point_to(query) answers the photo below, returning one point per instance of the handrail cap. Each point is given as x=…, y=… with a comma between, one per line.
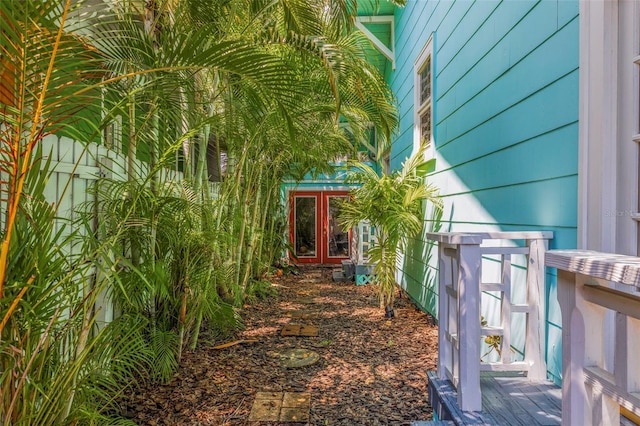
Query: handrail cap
x=478, y=237
x=608, y=266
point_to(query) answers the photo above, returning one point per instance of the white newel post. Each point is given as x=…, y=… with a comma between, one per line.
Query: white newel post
x=535, y=336
x=573, y=341
x=444, y=279
x=460, y=290
x=469, y=394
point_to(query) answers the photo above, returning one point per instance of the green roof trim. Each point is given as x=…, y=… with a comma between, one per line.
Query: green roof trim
x=427, y=167
x=369, y=8
x=375, y=19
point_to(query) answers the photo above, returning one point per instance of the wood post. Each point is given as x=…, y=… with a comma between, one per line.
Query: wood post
x=592, y=286
x=444, y=345
x=535, y=338
x=573, y=341
x=459, y=310
x=469, y=394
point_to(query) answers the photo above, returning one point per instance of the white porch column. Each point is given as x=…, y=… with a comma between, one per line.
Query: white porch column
x=469, y=394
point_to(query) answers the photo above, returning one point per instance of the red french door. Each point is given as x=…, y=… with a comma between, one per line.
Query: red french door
x=315, y=234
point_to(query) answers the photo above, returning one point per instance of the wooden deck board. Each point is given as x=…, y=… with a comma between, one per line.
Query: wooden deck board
x=507, y=399
x=502, y=407
x=533, y=397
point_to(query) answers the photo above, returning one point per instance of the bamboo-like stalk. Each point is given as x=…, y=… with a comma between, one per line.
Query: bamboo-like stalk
x=186, y=143
x=199, y=177
x=14, y=304
x=245, y=201
x=266, y=210
x=253, y=239
x=19, y=173
x=182, y=323
x=24, y=375
x=152, y=256
x=153, y=150
x=81, y=345
x=133, y=142
x=196, y=329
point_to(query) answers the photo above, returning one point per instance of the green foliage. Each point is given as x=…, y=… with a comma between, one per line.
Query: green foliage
x=494, y=342
x=164, y=346
x=260, y=290
x=172, y=268
x=392, y=203
x=262, y=81
x=56, y=364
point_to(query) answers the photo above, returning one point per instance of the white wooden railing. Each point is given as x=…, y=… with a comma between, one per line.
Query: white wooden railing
x=600, y=302
x=459, y=298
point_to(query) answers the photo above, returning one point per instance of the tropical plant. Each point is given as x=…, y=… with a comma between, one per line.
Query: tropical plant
x=267, y=142
x=393, y=204
x=56, y=366
x=175, y=284
x=264, y=81
x=269, y=81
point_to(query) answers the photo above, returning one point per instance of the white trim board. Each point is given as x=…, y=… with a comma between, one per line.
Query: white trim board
x=608, y=111
x=388, y=52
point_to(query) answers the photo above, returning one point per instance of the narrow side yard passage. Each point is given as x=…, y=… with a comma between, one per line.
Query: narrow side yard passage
x=369, y=370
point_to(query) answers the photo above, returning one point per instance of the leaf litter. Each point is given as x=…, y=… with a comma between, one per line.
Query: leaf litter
x=371, y=371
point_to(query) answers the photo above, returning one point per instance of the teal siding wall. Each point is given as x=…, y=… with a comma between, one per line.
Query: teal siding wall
x=506, y=125
x=324, y=181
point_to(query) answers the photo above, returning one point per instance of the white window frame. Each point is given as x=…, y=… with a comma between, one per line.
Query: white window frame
x=426, y=54
x=112, y=135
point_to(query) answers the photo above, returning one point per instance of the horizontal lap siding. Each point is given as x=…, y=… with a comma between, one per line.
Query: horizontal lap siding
x=506, y=135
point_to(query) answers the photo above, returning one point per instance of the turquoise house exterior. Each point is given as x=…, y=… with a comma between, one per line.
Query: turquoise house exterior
x=531, y=114
x=504, y=126
x=501, y=121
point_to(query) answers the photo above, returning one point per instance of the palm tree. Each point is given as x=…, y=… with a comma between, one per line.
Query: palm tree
x=55, y=366
x=393, y=204
x=269, y=80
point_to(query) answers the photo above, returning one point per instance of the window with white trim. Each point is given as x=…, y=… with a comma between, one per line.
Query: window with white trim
x=112, y=135
x=423, y=99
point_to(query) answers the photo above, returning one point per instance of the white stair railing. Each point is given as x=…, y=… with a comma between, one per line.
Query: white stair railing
x=460, y=288
x=599, y=296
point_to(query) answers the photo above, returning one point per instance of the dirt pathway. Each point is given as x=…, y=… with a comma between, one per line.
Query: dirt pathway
x=371, y=371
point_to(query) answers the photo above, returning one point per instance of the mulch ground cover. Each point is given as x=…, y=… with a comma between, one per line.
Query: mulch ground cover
x=371, y=370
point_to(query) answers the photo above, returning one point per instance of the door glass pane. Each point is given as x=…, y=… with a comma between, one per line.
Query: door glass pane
x=338, y=238
x=305, y=226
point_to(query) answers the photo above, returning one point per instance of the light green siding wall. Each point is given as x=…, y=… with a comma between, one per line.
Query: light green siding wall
x=506, y=131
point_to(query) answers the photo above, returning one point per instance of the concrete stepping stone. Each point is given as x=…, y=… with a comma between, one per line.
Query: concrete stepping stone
x=266, y=407
x=290, y=330
x=296, y=358
x=299, y=330
x=309, y=331
x=308, y=292
x=281, y=406
x=295, y=407
x=303, y=315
